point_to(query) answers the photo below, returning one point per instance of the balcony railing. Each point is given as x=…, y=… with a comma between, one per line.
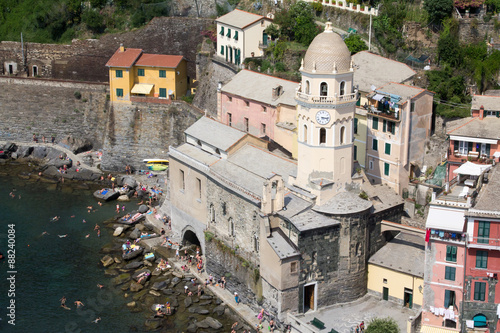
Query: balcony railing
x=473, y=156
x=485, y=243
x=263, y=45
x=447, y=236
x=315, y=99
x=385, y=113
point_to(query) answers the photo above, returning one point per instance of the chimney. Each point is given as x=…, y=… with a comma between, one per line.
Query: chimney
x=122, y=48
x=481, y=112
x=277, y=91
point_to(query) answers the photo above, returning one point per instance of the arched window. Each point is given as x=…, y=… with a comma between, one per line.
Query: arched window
x=308, y=87
x=323, y=89
x=305, y=133
x=212, y=213
x=342, y=135
x=342, y=88
x=322, y=135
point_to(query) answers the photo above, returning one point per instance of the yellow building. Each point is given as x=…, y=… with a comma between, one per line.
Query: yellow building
x=360, y=136
x=396, y=271
x=143, y=77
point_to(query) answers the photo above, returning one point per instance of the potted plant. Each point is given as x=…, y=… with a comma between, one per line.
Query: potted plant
x=362, y=8
x=354, y=7
x=334, y=2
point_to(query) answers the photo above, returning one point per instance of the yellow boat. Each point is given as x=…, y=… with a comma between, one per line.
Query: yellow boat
x=156, y=164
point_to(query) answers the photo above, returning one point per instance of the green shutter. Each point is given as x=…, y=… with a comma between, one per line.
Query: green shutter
x=455, y=145
x=483, y=232
x=447, y=298
x=228, y=33
x=222, y=31
x=384, y=126
x=481, y=259
x=469, y=145
x=386, y=169
x=449, y=273
x=488, y=148
x=236, y=35
x=355, y=125
x=163, y=73
x=393, y=128
x=375, y=123
x=222, y=49
x=163, y=92
x=355, y=153
x=140, y=72
x=375, y=144
x=119, y=92
x=387, y=148
x=119, y=73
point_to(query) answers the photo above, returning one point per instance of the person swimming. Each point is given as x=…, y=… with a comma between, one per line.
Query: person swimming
x=62, y=236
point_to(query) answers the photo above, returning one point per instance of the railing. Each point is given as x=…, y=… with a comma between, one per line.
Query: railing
x=342, y=4
x=326, y=99
x=475, y=156
x=263, y=45
x=447, y=236
x=485, y=242
x=393, y=115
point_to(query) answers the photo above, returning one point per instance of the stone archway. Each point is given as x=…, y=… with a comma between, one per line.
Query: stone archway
x=189, y=237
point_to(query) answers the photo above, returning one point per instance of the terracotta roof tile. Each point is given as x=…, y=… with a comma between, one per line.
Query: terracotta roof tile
x=159, y=60
x=126, y=58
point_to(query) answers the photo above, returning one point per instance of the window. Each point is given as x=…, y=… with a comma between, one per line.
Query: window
x=264, y=109
x=342, y=88
x=221, y=31
x=229, y=98
x=263, y=128
x=386, y=169
x=163, y=92
x=384, y=281
x=482, y=259
x=224, y=208
x=355, y=153
x=391, y=127
x=375, y=123
x=322, y=136
x=163, y=73
x=483, y=232
x=342, y=135
x=323, y=89
x=370, y=165
x=236, y=35
x=464, y=147
x=140, y=72
x=305, y=133
x=387, y=148
x=183, y=183
x=246, y=124
x=375, y=144
x=231, y=227
x=308, y=87
x=293, y=267
x=256, y=243
x=247, y=103
x=451, y=253
x=198, y=181
x=229, y=119
x=222, y=49
x=119, y=73
x=449, y=298
x=119, y=92
x=412, y=106
x=355, y=125
x=228, y=33
x=449, y=273
x=479, y=291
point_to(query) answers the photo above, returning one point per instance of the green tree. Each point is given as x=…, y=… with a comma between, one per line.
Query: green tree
x=449, y=48
x=382, y=325
x=297, y=23
x=355, y=44
x=94, y=21
x=438, y=10
x=273, y=31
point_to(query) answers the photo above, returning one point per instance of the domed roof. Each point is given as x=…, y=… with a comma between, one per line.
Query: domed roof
x=326, y=50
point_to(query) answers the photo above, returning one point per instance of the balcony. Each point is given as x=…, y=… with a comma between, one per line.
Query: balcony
x=329, y=100
x=448, y=236
x=485, y=243
x=389, y=113
x=472, y=156
x=263, y=45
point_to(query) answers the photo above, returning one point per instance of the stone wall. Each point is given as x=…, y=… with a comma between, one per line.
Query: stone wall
x=49, y=107
x=138, y=131
x=84, y=60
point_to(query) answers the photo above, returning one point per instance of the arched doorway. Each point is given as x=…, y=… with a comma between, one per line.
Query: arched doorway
x=190, y=238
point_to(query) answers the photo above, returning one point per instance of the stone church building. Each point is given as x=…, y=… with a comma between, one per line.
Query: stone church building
x=295, y=235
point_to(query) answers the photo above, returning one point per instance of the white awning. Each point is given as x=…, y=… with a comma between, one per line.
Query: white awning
x=142, y=88
x=476, y=140
x=471, y=169
x=445, y=219
x=378, y=97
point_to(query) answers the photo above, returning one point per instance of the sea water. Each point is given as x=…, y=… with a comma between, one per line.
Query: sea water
x=47, y=267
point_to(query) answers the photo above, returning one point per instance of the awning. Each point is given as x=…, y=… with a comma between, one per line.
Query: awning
x=142, y=88
x=445, y=219
x=378, y=97
x=471, y=169
x=476, y=140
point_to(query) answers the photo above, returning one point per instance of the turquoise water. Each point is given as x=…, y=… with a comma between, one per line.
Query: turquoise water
x=49, y=267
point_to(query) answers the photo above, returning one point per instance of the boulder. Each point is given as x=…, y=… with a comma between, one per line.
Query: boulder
x=117, y=260
x=39, y=152
x=107, y=261
x=131, y=304
x=123, y=197
x=133, y=254
x=154, y=293
x=205, y=297
x=140, y=294
x=143, y=209
x=24, y=152
x=178, y=275
x=10, y=147
x=159, y=285
x=118, y=231
x=134, y=265
x=121, y=279
x=175, y=281
x=192, y=328
x=152, y=324
x=202, y=311
x=168, y=291
x=136, y=233
x=111, y=272
x=205, y=303
x=188, y=301
x=213, y=323
x=134, y=286
x=219, y=310
x=59, y=163
x=129, y=181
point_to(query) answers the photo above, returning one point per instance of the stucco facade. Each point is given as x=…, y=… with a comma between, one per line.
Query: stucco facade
x=360, y=132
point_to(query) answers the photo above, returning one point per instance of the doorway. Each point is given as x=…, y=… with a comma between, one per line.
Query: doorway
x=11, y=69
x=309, y=297
x=408, y=298
x=385, y=293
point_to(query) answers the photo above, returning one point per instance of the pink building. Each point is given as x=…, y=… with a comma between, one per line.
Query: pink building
x=261, y=105
x=476, y=138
